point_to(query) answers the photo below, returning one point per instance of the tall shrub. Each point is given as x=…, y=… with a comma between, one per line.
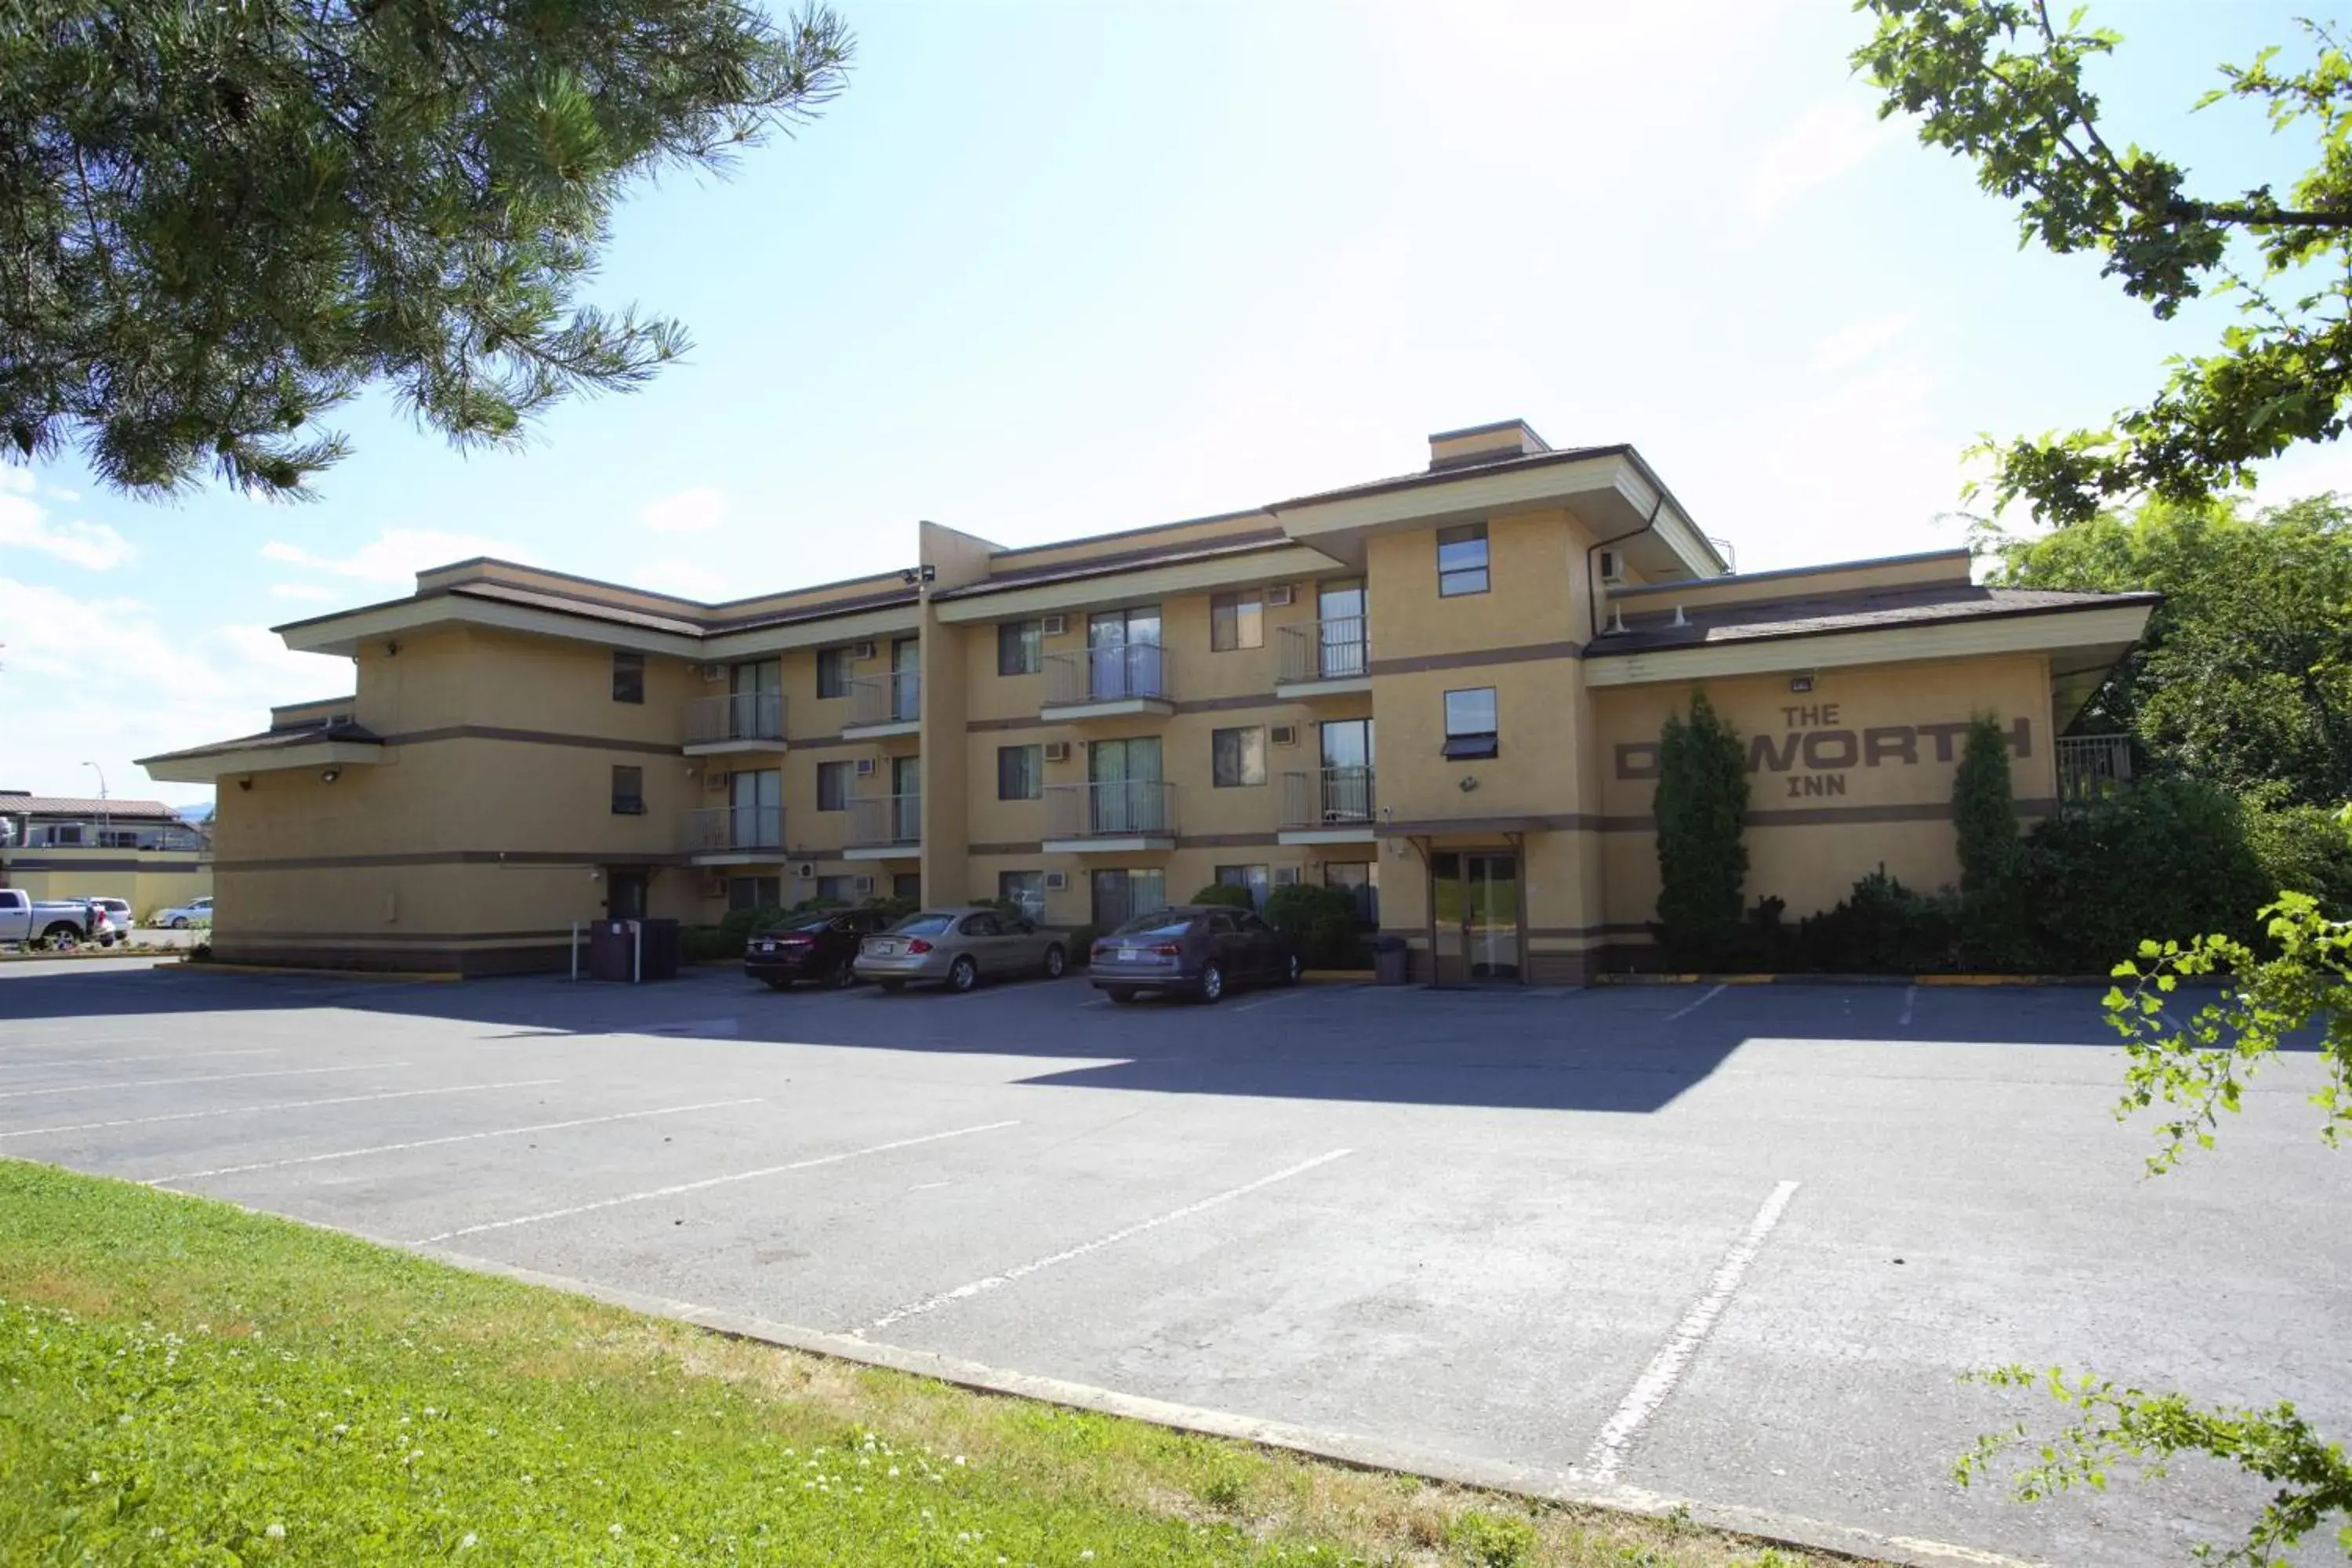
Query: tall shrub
x=1992, y=859
x=2168, y=860
x=1701, y=806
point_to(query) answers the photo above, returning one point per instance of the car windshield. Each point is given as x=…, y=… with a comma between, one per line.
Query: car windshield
x=923, y=925
x=1163, y=924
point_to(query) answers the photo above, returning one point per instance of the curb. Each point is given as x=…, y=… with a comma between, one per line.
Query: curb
x=186, y=967
x=1985, y=982
x=1335, y=977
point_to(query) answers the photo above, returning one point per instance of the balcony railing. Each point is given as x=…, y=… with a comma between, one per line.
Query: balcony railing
x=2093, y=768
x=893, y=698
x=1120, y=674
x=875, y=820
x=98, y=834
x=1128, y=808
x=735, y=829
x=1328, y=797
x=1334, y=649
x=741, y=716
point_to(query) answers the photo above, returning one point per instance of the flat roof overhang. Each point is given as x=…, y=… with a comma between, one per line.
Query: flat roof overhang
x=1613, y=491
x=344, y=633
x=1134, y=584
x=2083, y=642
x=210, y=767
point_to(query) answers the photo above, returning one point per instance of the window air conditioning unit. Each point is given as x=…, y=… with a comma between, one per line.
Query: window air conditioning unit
x=1057, y=881
x=1278, y=596
x=1286, y=876
x=861, y=650
x=1286, y=734
x=1613, y=566
x=865, y=767
x=1057, y=751
x=714, y=672
x=1053, y=625
x=805, y=869
x=864, y=884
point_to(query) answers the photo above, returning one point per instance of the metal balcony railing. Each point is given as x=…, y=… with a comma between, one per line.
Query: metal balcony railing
x=1328, y=797
x=1109, y=675
x=1123, y=809
x=2093, y=768
x=740, y=716
x=875, y=820
x=99, y=833
x=734, y=829
x=895, y=698
x=1334, y=649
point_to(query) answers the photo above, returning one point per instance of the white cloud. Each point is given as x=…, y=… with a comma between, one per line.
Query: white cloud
x=15, y=479
x=694, y=511
x=310, y=592
x=25, y=524
x=398, y=555
x=1850, y=346
x=1818, y=146
x=676, y=574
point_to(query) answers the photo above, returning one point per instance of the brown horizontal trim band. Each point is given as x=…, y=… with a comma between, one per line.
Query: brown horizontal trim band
x=1527, y=653
x=1033, y=846
x=534, y=737
x=1226, y=840
x=404, y=938
x=582, y=858
x=1820, y=815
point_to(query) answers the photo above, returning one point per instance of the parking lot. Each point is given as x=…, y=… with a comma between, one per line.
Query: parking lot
x=1731, y=1245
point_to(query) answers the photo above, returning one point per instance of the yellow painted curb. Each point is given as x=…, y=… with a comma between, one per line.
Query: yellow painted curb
x=1336, y=977
x=186, y=967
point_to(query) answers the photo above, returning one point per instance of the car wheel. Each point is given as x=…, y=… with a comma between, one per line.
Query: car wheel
x=181, y=923
x=1057, y=961
x=963, y=974
x=778, y=982
x=1291, y=970
x=1212, y=983
x=1120, y=996
x=892, y=986
x=843, y=976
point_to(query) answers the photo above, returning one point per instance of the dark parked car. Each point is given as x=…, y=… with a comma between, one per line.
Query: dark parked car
x=820, y=946
x=1200, y=950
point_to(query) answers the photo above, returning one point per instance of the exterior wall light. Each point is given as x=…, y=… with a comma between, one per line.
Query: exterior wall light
x=329, y=775
x=1801, y=682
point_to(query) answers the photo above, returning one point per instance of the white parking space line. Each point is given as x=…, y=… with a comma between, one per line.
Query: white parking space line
x=682, y=1187
x=277, y=1105
x=1910, y=996
x=169, y=1082
x=1269, y=1001
x=450, y=1138
x=1035, y=1264
x=1667, y=1368
x=148, y=1056
x=1687, y=1012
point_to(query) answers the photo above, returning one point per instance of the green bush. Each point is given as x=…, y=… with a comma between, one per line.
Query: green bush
x=2170, y=859
x=1882, y=927
x=1701, y=806
x=891, y=906
x=2304, y=849
x=1491, y=1541
x=1225, y=893
x=1992, y=857
x=699, y=943
x=1324, y=921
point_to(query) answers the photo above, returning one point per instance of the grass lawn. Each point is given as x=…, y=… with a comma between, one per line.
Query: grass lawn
x=182, y=1381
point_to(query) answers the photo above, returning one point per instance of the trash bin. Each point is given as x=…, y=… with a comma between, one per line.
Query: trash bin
x=663, y=943
x=612, y=949
x=1389, y=961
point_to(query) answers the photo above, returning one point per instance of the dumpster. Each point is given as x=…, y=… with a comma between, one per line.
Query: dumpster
x=612, y=949
x=663, y=943
x=1391, y=961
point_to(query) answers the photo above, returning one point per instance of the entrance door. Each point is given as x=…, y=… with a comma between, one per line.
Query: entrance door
x=625, y=895
x=1339, y=615
x=1476, y=898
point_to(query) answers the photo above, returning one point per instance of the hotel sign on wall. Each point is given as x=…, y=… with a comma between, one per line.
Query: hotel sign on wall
x=1815, y=751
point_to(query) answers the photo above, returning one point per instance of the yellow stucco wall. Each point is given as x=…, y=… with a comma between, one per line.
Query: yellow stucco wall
x=149, y=880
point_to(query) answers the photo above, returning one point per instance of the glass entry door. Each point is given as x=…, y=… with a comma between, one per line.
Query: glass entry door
x=1475, y=895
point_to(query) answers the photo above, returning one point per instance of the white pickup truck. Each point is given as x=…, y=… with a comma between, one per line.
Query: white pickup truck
x=62, y=922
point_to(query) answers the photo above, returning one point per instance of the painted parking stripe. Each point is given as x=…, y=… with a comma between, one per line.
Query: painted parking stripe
x=277, y=1105
x=1695, y=1006
x=449, y=1138
x=1910, y=996
x=148, y=1056
x=1667, y=1368
x=208, y=1077
x=708, y=1182
x=1037, y=1265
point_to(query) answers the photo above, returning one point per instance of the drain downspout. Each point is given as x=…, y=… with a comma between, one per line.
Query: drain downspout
x=1591, y=586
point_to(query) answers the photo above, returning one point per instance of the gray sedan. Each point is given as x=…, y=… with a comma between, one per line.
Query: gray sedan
x=956, y=948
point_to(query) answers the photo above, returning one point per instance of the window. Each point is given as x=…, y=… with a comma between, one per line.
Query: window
x=628, y=676
x=1361, y=877
x=1025, y=890
x=1236, y=621
x=1121, y=896
x=1020, y=647
x=1020, y=773
x=832, y=785
x=837, y=890
x=982, y=924
x=755, y=893
x=118, y=839
x=1237, y=756
x=832, y=672
x=1470, y=724
x=1253, y=878
x=1462, y=559
x=907, y=885
x=65, y=835
x=628, y=791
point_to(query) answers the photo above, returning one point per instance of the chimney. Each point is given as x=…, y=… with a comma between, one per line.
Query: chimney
x=1483, y=443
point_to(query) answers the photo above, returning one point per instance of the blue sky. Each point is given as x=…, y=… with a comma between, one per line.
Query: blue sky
x=1047, y=270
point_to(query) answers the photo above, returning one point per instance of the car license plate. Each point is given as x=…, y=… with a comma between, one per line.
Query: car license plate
x=886, y=950
x=767, y=947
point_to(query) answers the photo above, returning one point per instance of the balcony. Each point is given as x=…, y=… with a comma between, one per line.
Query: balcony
x=735, y=835
x=883, y=828
x=1125, y=814
x=743, y=722
x=1108, y=682
x=2093, y=768
x=1323, y=659
x=1328, y=805
x=882, y=705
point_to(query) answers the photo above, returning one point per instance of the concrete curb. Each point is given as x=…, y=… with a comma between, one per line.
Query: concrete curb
x=1985, y=981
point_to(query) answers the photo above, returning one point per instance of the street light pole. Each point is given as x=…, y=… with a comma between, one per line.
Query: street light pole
x=105, y=816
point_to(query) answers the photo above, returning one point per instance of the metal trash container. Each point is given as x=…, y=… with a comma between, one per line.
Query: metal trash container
x=612, y=949
x=1391, y=961
x=663, y=941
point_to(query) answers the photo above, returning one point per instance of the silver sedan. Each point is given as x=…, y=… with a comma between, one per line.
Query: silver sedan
x=958, y=948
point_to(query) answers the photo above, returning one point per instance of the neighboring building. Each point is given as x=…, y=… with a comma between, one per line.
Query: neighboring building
x=1102, y=725
x=62, y=846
